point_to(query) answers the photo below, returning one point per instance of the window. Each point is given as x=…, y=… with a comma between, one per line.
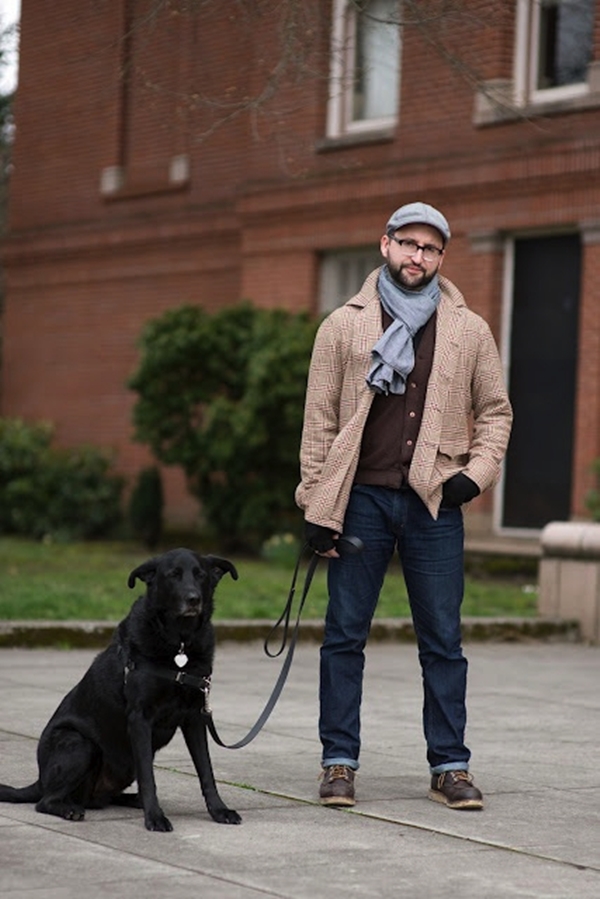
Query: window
x=151, y=131
x=365, y=66
x=554, y=49
x=342, y=274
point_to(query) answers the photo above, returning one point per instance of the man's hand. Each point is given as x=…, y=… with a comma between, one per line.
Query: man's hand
x=321, y=540
x=457, y=490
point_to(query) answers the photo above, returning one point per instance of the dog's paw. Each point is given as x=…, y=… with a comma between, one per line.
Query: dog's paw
x=226, y=816
x=61, y=809
x=158, y=822
x=76, y=813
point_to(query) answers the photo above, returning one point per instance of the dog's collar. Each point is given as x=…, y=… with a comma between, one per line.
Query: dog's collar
x=183, y=678
x=177, y=677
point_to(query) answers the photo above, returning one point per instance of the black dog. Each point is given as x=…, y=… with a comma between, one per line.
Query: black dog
x=150, y=680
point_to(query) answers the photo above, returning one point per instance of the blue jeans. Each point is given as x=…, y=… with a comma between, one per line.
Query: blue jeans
x=432, y=556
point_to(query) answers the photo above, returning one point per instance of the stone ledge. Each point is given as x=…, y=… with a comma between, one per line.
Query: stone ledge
x=97, y=634
x=571, y=539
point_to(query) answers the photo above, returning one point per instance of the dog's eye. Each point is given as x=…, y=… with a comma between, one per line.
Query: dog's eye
x=176, y=573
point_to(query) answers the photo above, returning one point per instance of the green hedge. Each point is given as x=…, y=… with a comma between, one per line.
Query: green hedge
x=146, y=504
x=45, y=491
x=222, y=396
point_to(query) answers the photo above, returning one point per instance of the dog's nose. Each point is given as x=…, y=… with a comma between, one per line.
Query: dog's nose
x=192, y=603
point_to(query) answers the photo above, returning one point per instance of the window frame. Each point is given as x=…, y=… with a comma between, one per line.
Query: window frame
x=339, y=264
x=340, y=121
x=527, y=50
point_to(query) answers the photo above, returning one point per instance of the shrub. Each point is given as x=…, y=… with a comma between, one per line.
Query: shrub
x=46, y=491
x=222, y=396
x=146, y=507
x=22, y=446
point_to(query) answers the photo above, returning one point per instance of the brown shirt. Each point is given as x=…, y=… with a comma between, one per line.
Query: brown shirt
x=394, y=420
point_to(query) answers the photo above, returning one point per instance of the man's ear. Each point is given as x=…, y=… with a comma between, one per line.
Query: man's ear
x=384, y=246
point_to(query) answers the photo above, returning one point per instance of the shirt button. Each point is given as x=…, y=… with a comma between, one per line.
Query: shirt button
x=413, y=384
x=411, y=414
x=409, y=443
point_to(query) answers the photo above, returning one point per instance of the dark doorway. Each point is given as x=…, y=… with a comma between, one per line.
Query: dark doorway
x=542, y=379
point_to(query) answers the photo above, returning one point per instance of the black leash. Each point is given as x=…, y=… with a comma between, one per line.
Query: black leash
x=345, y=546
x=284, y=619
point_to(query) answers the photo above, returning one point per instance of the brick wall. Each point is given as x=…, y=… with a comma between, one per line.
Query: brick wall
x=263, y=193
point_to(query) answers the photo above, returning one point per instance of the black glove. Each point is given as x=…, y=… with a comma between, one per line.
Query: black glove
x=457, y=490
x=319, y=539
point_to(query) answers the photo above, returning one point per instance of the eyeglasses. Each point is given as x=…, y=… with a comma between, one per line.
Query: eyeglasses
x=411, y=248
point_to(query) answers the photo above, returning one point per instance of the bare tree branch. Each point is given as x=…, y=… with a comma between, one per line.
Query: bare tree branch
x=302, y=56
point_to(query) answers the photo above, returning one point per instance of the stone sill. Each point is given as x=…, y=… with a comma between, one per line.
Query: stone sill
x=495, y=104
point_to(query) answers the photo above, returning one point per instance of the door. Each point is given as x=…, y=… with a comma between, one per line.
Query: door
x=542, y=380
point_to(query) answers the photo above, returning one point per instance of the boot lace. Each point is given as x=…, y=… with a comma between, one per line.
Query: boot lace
x=337, y=772
x=455, y=776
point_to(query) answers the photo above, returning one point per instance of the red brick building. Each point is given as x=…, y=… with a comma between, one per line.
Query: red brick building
x=171, y=152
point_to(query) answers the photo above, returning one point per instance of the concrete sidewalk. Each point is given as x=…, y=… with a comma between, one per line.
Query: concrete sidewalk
x=534, y=712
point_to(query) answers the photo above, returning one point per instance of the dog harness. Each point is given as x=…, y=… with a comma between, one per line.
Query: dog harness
x=183, y=678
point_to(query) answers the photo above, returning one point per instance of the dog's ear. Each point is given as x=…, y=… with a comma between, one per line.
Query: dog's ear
x=145, y=572
x=219, y=567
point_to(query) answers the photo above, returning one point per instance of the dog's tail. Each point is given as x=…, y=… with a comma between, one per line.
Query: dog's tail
x=32, y=793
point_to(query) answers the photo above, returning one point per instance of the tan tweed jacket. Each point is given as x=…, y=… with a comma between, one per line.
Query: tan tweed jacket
x=466, y=419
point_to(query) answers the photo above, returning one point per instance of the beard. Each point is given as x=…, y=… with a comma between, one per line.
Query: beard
x=409, y=280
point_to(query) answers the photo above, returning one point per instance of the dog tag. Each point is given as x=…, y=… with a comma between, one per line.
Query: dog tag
x=181, y=659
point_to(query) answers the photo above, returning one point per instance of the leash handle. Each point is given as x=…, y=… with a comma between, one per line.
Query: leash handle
x=285, y=668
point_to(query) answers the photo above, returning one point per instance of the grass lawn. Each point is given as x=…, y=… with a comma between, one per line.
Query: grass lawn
x=88, y=581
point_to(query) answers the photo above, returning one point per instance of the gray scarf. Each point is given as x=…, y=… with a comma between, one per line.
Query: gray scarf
x=393, y=354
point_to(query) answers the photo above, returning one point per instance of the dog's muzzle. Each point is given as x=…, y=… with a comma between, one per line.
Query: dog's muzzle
x=192, y=607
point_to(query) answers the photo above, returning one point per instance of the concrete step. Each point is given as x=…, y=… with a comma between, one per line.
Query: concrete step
x=97, y=634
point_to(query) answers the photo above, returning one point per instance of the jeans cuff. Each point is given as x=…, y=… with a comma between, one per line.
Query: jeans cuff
x=450, y=766
x=340, y=760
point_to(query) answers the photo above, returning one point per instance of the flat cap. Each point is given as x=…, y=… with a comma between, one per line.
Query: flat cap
x=419, y=213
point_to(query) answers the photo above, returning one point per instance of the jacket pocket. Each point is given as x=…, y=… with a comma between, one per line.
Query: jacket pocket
x=455, y=448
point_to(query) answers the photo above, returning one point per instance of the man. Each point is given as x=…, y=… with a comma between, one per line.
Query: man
x=406, y=419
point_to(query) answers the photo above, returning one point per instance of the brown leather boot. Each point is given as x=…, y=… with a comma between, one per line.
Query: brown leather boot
x=456, y=790
x=337, y=786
